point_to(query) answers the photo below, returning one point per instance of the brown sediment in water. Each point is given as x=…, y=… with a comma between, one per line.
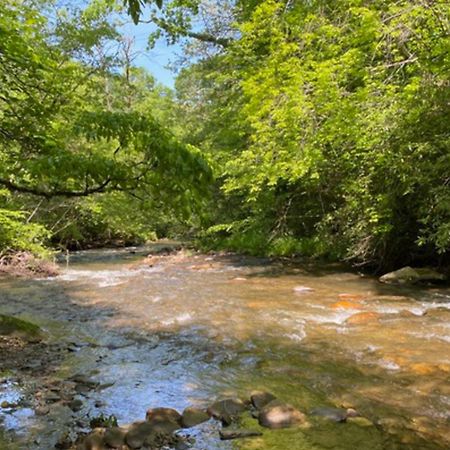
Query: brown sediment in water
x=175, y=335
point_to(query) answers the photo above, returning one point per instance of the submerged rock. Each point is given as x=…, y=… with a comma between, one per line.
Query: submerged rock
x=65, y=441
x=363, y=318
x=346, y=304
x=238, y=434
x=333, y=414
x=277, y=414
x=409, y=275
x=193, y=416
x=12, y=326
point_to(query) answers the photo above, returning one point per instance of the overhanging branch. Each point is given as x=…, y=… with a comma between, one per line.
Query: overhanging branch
x=57, y=192
x=201, y=36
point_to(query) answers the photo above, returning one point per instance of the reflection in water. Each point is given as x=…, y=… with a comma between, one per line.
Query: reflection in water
x=184, y=330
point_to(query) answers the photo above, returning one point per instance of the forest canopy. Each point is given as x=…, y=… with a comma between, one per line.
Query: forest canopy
x=314, y=128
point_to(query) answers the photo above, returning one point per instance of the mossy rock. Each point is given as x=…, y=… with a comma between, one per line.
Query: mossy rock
x=11, y=326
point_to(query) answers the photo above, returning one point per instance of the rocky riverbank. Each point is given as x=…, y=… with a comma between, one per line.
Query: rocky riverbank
x=161, y=425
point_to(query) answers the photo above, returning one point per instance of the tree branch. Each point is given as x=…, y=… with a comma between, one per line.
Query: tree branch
x=56, y=193
x=174, y=30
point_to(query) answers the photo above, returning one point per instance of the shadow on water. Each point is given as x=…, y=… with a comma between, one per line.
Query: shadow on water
x=142, y=358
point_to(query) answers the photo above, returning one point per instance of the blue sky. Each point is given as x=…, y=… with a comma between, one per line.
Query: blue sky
x=154, y=60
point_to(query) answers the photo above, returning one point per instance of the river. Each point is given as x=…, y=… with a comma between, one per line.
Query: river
x=186, y=329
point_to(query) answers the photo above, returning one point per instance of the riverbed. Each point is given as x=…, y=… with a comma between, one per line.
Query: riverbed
x=186, y=329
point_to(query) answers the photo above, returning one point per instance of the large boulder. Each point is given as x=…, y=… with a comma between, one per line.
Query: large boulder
x=277, y=414
x=408, y=275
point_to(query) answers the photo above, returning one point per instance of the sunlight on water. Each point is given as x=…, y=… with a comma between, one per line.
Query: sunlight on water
x=186, y=329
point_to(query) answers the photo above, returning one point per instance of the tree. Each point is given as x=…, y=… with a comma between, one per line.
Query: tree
x=341, y=113
x=59, y=137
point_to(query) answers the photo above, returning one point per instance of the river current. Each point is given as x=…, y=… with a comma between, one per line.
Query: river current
x=187, y=329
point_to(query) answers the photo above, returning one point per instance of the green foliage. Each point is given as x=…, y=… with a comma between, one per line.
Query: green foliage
x=75, y=122
x=16, y=233
x=340, y=113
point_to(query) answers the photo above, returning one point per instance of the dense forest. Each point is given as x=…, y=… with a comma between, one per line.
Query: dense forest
x=313, y=128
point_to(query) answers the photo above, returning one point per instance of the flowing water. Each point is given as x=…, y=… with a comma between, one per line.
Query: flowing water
x=187, y=329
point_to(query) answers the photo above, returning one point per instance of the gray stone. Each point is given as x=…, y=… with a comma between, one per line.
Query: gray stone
x=333, y=414
x=193, y=416
x=277, y=414
x=227, y=407
x=260, y=399
x=75, y=405
x=238, y=434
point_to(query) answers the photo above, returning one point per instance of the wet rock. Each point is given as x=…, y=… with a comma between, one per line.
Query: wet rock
x=392, y=298
x=81, y=379
x=363, y=318
x=351, y=297
x=277, y=414
x=238, y=434
x=352, y=413
x=115, y=437
x=260, y=399
x=193, y=416
x=52, y=397
x=11, y=326
x=360, y=421
x=407, y=314
x=227, y=419
x=64, y=442
x=333, y=414
x=409, y=275
x=227, y=407
x=346, y=304
x=138, y=433
x=158, y=440
x=94, y=441
x=163, y=415
x=42, y=410
x=423, y=368
x=75, y=405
